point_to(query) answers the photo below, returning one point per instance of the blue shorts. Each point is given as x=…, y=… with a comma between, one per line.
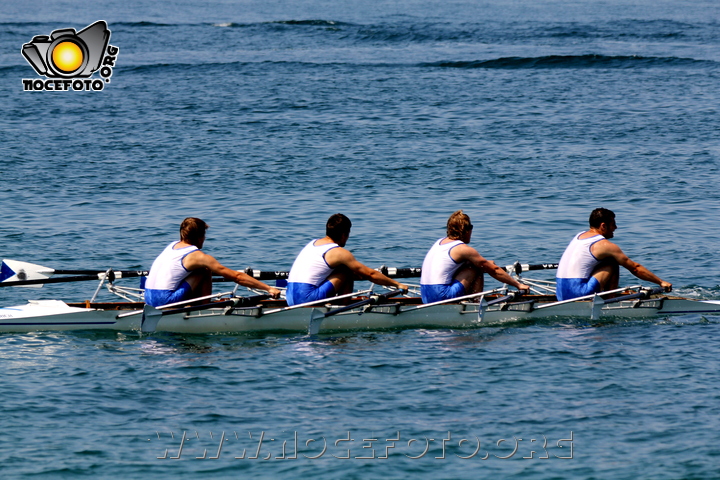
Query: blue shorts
x=298, y=293
x=569, y=288
x=435, y=293
x=158, y=298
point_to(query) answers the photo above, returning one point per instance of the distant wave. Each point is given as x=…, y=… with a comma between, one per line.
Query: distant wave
x=142, y=24
x=314, y=23
x=572, y=61
x=546, y=62
x=413, y=31
x=23, y=69
x=322, y=23
x=72, y=24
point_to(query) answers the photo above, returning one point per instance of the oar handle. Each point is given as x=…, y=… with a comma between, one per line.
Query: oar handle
x=394, y=272
x=518, y=267
x=261, y=275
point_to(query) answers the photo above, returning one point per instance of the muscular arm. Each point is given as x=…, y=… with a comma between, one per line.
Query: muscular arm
x=465, y=253
x=606, y=249
x=340, y=256
x=198, y=259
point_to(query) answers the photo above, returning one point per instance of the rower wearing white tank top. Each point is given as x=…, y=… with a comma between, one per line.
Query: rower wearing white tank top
x=324, y=268
x=452, y=268
x=182, y=271
x=591, y=261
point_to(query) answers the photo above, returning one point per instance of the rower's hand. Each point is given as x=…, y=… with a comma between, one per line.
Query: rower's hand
x=667, y=286
x=403, y=287
x=274, y=292
x=523, y=288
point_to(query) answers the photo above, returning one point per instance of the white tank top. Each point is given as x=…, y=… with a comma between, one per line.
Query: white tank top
x=578, y=261
x=439, y=268
x=310, y=265
x=167, y=270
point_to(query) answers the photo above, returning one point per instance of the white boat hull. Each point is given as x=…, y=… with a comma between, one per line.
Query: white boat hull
x=54, y=315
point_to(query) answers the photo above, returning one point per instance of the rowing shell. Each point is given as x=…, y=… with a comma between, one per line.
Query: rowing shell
x=402, y=313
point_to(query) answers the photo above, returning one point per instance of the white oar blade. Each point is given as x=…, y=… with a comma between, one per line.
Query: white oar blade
x=316, y=320
x=150, y=318
x=14, y=270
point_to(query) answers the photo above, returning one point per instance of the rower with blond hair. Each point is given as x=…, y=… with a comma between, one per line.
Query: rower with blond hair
x=452, y=268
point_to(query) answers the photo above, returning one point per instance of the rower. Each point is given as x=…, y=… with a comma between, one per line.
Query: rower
x=591, y=261
x=183, y=272
x=324, y=268
x=453, y=269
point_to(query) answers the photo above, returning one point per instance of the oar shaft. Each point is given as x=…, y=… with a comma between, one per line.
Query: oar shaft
x=195, y=308
x=43, y=281
x=391, y=272
x=507, y=298
x=91, y=275
x=118, y=273
x=374, y=299
x=642, y=295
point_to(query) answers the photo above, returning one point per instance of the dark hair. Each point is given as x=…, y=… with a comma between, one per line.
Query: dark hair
x=601, y=215
x=337, y=226
x=458, y=224
x=192, y=230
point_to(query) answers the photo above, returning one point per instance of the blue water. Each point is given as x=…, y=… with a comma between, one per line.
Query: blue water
x=264, y=118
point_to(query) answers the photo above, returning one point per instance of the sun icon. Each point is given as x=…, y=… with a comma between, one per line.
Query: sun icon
x=67, y=56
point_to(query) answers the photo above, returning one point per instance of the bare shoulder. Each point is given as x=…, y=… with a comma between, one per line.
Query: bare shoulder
x=464, y=252
x=338, y=256
x=605, y=248
x=197, y=259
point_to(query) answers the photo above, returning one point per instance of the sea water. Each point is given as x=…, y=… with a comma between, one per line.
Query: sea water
x=264, y=118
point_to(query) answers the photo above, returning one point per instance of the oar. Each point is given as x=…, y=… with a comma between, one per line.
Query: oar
x=151, y=315
x=518, y=267
x=391, y=272
x=14, y=273
x=507, y=298
x=317, y=316
x=317, y=302
x=643, y=294
x=586, y=297
x=598, y=302
x=452, y=300
x=150, y=318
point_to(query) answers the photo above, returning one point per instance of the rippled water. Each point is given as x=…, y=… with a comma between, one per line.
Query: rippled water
x=265, y=118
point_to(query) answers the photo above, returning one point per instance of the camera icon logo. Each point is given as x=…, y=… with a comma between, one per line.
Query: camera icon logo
x=68, y=54
x=66, y=57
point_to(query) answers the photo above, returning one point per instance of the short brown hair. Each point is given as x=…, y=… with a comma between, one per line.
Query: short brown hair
x=192, y=230
x=458, y=224
x=600, y=216
x=337, y=226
